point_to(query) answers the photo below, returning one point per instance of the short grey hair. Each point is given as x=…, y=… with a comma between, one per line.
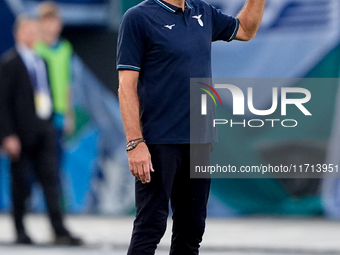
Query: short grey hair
x=21, y=19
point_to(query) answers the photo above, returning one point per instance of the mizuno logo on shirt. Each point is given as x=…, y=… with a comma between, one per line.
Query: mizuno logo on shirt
x=198, y=17
x=170, y=26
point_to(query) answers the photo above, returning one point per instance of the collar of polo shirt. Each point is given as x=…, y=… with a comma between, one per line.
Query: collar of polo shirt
x=170, y=7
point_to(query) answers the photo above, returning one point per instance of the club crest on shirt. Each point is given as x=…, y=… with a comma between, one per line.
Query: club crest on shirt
x=170, y=26
x=198, y=17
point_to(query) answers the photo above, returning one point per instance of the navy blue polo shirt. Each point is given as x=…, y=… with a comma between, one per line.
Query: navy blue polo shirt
x=168, y=46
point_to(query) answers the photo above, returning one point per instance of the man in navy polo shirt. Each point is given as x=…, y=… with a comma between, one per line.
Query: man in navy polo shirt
x=161, y=45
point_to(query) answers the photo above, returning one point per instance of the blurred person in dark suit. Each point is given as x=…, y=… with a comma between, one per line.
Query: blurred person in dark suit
x=26, y=132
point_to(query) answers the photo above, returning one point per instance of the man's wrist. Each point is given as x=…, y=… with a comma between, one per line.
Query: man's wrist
x=132, y=144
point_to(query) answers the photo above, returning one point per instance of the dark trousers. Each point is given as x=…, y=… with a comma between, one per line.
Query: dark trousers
x=60, y=153
x=171, y=182
x=41, y=159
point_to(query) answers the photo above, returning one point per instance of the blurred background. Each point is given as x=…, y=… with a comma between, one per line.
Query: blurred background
x=298, y=39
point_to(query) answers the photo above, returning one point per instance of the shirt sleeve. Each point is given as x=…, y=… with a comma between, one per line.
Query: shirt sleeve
x=132, y=41
x=225, y=27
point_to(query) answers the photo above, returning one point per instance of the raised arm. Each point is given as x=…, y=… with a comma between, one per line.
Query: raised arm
x=250, y=19
x=139, y=158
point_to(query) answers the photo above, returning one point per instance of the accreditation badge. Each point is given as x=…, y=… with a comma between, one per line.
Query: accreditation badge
x=43, y=105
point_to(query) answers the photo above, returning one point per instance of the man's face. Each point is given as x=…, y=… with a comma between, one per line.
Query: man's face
x=51, y=26
x=28, y=33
